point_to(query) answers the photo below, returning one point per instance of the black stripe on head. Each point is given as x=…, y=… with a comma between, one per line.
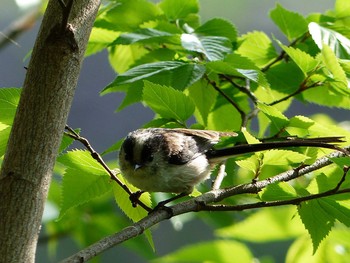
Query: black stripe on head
x=128, y=146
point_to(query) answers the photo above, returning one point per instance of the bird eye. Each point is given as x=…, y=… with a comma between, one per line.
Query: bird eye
x=150, y=158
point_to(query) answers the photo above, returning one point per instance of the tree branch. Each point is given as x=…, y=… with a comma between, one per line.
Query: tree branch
x=36, y=133
x=199, y=204
x=232, y=102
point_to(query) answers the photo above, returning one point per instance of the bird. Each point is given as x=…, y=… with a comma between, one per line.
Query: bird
x=175, y=160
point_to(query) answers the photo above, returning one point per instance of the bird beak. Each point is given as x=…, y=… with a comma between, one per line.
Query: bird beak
x=137, y=166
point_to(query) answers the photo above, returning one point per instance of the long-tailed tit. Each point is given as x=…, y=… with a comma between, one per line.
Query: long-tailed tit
x=175, y=160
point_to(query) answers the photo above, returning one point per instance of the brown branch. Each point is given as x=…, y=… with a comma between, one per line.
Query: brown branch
x=243, y=89
x=36, y=133
x=293, y=201
x=95, y=155
x=232, y=102
x=301, y=89
x=196, y=205
x=283, y=54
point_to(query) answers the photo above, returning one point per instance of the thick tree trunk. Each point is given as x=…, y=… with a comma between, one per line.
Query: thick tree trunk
x=40, y=119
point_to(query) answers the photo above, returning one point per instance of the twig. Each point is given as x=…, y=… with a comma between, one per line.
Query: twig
x=243, y=89
x=232, y=102
x=301, y=89
x=220, y=176
x=283, y=54
x=293, y=201
x=71, y=133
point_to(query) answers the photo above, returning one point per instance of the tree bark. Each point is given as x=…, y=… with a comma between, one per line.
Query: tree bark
x=39, y=123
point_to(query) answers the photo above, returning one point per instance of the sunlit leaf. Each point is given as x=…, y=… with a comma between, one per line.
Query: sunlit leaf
x=84, y=179
x=163, y=72
x=214, y=251
x=218, y=27
x=278, y=191
x=272, y=224
x=290, y=23
x=168, y=102
x=9, y=98
x=303, y=60
x=213, y=47
x=179, y=9
x=257, y=47
x=317, y=221
x=339, y=44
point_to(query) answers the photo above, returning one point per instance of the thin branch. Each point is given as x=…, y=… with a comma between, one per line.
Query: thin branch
x=301, y=89
x=294, y=201
x=220, y=176
x=283, y=54
x=232, y=102
x=245, y=89
x=72, y=134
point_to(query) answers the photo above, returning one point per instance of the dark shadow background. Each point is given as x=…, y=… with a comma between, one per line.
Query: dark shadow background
x=99, y=122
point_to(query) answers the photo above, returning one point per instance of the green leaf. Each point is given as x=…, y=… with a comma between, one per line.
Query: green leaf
x=278, y=120
x=134, y=213
x=204, y=97
x=278, y=191
x=213, y=47
x=334, y=249
x=9, y=98
x=146, y=35
x=338, y=43
x=249, y=137
x=99, y=39
x=121, y=57
x=213, y=251
x=84, y=179
x=236, y=65
x=4, y=136
x=179, y=9
x=332, y=64
x=164, y=72
x=283, y=157
x=341, y=161
x=251, y=164
x=168, y=102
x=285, y=78
x=133, y=95
x=303, y=60
x=218, y=27
x=342, y=8
x=321, y=95
x=337, y=209
x=290, y=23
x=257, y=47
x=123, y=201
x=265, y=225
x=224, y=118
x=317, y=221
x=127, y=15
x=66, y=141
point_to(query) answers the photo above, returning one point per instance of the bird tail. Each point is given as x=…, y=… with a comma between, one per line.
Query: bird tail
x=321, y=142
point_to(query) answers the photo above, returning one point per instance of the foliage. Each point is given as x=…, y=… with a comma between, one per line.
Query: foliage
x=167, y=59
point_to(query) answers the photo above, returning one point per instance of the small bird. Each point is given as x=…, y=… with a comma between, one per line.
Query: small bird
x=175, y=160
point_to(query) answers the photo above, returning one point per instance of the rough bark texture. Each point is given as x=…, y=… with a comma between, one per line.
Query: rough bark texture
x=40, y=119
